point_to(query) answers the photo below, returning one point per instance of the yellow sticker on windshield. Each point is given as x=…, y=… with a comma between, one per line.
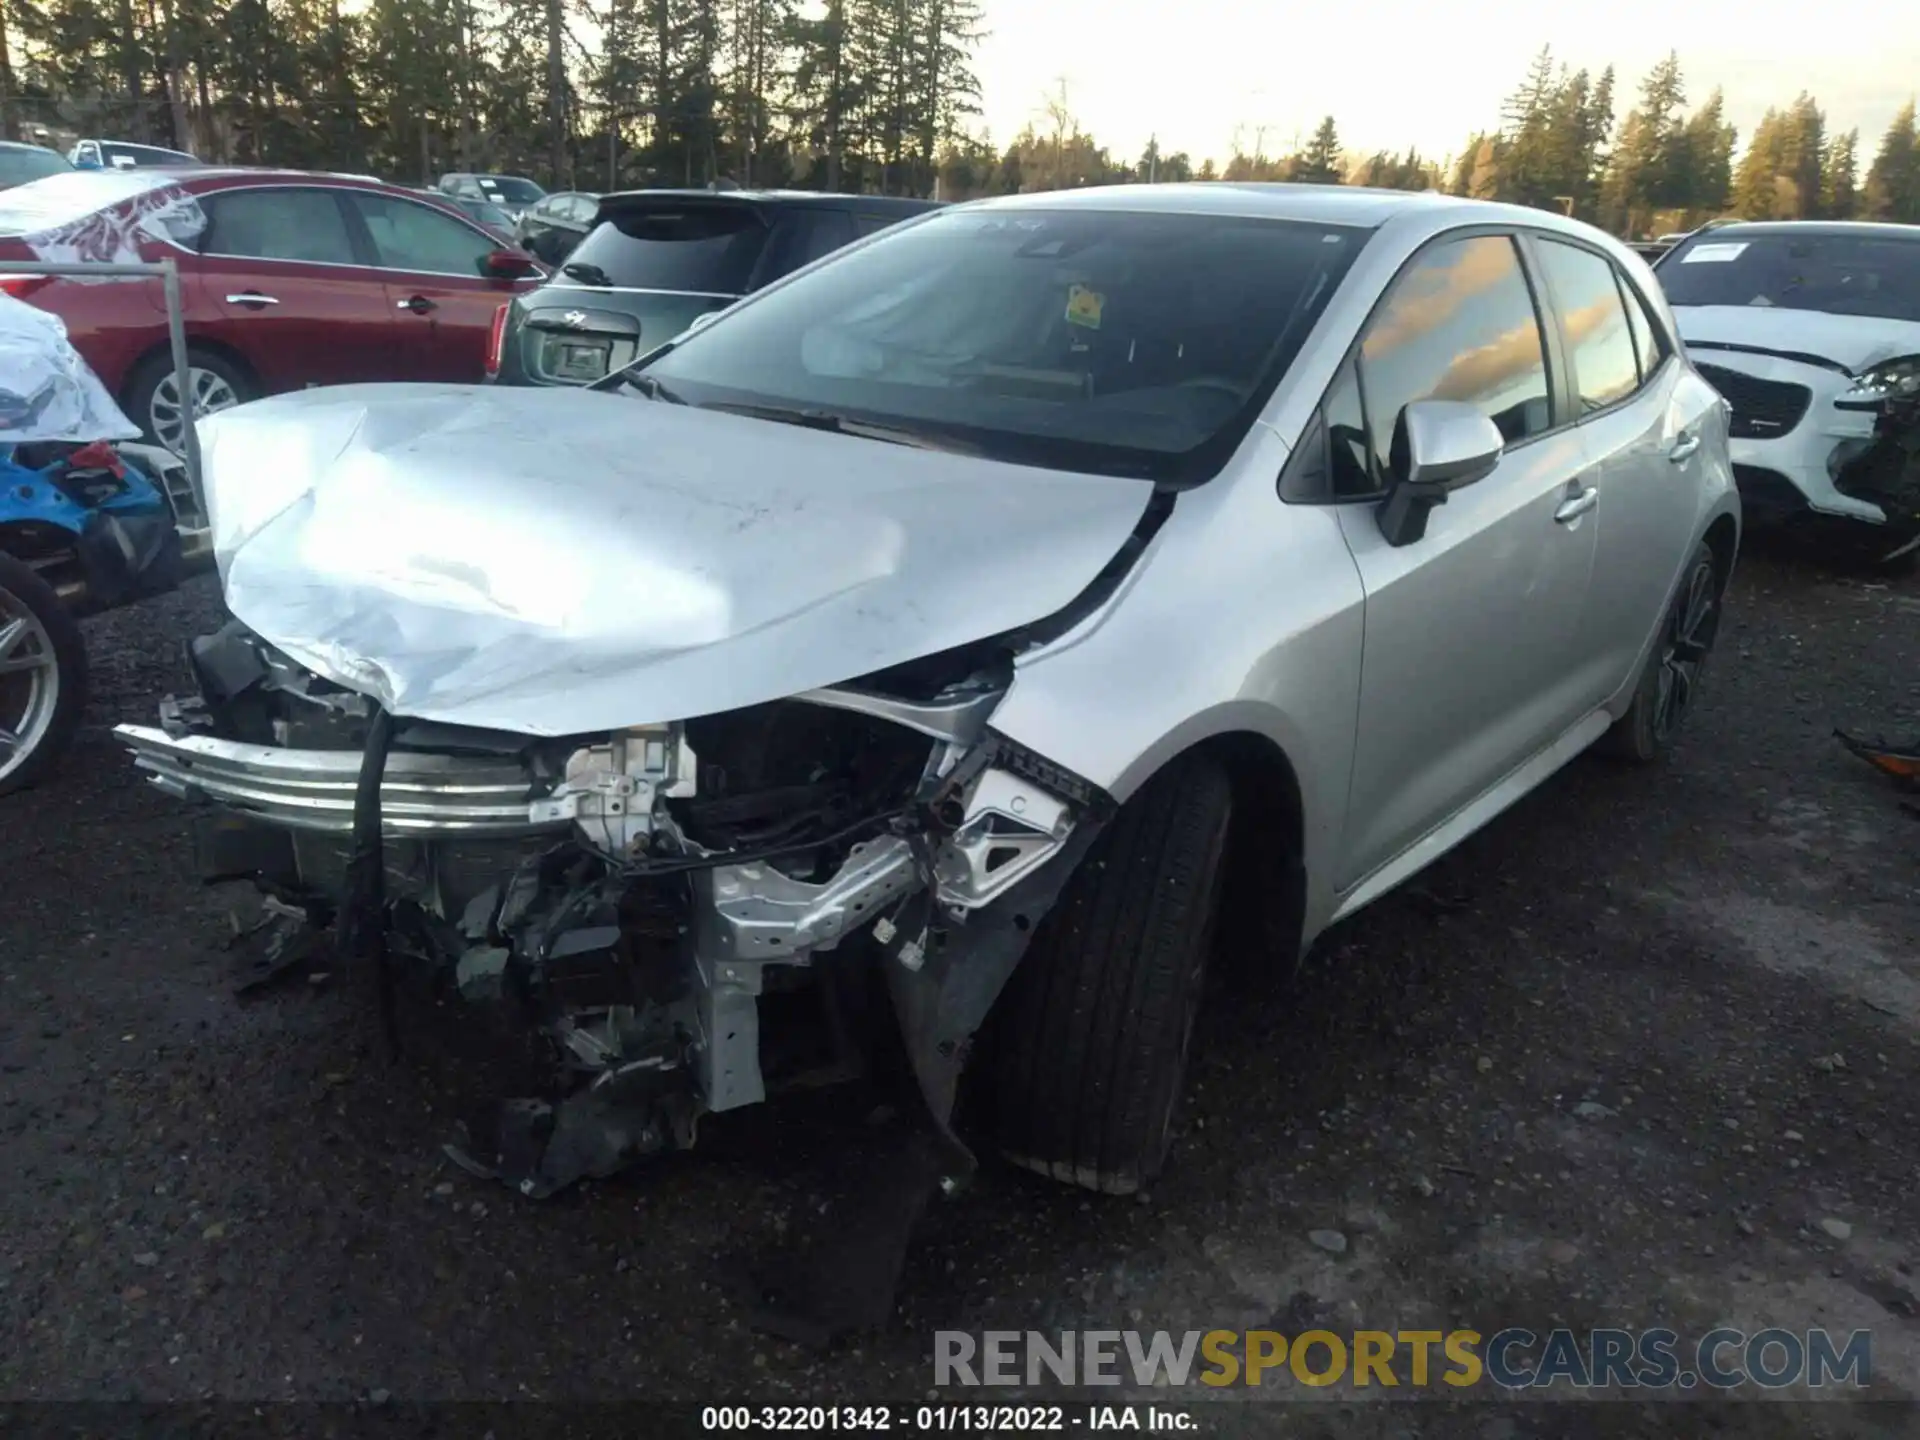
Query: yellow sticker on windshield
x=1084, y=306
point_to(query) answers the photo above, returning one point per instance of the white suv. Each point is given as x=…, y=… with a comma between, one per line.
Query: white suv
x=1811, y=330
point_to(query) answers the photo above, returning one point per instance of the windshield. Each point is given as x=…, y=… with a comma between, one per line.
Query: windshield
x=698, y=247
x=18, y=167
x=510, y=188
x=1102, y=341
x=1831, y=271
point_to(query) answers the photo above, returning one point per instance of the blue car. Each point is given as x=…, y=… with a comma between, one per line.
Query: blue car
x=82, y=529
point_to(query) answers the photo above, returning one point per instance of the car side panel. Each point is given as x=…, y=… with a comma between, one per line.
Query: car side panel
x=1649, y=504
x=328, y=326
x=1471, y=660
x=443, y=319
x=112, y=324
x=294, y=322
x=1243, y=615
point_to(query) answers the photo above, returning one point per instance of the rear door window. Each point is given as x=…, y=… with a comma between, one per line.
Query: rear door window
x=1599, y=343
x=709, y=249
x=1648, y=342
x=277, y=223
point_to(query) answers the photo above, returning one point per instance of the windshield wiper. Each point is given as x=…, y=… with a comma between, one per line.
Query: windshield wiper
x=838, y=424
x=650, y=386
x=587, y=273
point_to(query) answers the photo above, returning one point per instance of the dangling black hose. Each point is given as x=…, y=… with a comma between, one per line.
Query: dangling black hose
x=363, y=918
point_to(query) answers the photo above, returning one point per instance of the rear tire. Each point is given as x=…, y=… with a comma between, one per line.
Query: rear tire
x=153, y=404
x=1670, y=681
x=1091, y=1037
x=40, y=703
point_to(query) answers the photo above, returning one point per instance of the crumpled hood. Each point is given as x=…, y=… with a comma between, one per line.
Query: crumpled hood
x=1858, y=342
x=553, y=561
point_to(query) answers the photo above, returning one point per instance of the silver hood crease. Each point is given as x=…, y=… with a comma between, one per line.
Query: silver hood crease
x=552, y=562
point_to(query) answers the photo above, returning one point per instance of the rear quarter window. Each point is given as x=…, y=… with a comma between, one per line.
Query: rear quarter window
x=707, y=248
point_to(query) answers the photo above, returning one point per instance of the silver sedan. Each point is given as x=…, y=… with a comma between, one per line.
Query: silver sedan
x=999, y=617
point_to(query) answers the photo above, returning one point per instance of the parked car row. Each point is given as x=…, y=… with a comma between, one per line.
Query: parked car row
x=288, y=280
x=1812, y=330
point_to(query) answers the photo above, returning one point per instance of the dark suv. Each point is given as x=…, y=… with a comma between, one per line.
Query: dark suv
x=656, y=260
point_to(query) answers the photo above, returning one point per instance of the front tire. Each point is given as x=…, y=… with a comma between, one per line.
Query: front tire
x=1671, y=680
x=1091, y=1037
x=43, y=676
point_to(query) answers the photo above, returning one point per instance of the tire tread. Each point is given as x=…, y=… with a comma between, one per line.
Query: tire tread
x=1093, y=1023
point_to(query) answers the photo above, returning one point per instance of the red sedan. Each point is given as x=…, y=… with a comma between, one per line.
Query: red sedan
x=288, y=279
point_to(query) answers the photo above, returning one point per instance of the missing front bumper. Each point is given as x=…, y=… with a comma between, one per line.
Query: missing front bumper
x=313, y=790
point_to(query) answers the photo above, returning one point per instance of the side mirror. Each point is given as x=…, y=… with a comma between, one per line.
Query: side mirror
x=1438, y=446
x=700, y=322
x=508, y=265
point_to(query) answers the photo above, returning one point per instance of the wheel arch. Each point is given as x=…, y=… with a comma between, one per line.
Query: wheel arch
x=1723, y=538
x=1263, y=919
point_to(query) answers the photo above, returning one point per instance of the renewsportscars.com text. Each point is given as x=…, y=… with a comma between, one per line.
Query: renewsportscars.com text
x=1511, y=1359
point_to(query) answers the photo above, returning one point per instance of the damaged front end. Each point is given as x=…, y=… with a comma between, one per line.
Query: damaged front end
x=686, y=917
x=1884, y=470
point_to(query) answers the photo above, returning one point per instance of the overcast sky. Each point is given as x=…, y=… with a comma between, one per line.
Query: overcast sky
x=1191, y=70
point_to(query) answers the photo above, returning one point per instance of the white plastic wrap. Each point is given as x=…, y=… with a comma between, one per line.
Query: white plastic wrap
x=47, y=392
x=553, y=562
x=99, y=216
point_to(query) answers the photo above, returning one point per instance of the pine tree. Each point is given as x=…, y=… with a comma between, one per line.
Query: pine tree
x=1527, y=138
x=1708, y=151
x=1647, y=171
x=1756, y=191
x=1319, y=163
x=1804, y=150
x=1840, y=177
x=1893, y=181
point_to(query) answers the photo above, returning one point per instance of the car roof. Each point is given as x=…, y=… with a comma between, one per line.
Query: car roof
x=206, y=177
x=1863, y=228
x=1416, y=213
x=26, y=145
x=1322, y=204
x=901, y=204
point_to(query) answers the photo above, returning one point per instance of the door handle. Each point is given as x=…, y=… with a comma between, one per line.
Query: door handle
x=1574, y=506
x=251, y=298
x=1683, y=448
x=418, y=304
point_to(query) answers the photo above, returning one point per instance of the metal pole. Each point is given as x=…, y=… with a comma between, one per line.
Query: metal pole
x=183, y=384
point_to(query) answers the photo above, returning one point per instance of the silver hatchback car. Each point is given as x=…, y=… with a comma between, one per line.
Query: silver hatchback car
x=946, y=650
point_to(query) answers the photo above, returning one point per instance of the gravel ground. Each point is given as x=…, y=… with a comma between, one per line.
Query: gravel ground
x=1636, y=1054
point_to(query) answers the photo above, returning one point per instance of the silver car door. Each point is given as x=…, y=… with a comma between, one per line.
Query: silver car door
x=1646, y=428
x=1467, y=668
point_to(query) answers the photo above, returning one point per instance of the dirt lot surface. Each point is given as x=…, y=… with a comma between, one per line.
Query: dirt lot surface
x=1643, y=1052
